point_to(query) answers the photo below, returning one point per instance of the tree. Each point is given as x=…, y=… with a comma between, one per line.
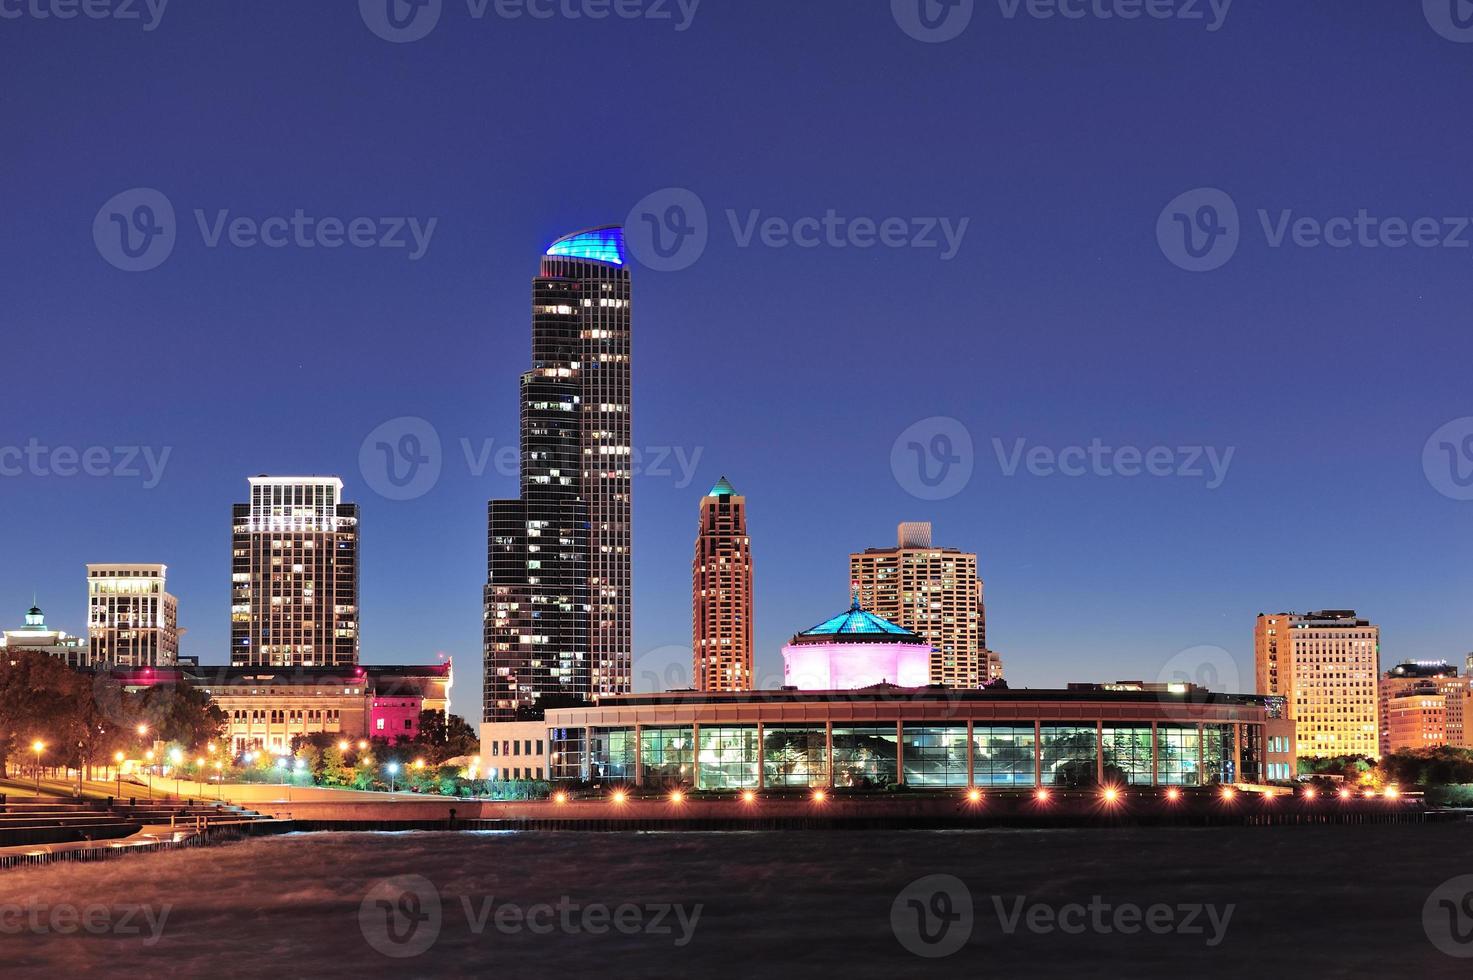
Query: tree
x=37, y=696
x=446, y=736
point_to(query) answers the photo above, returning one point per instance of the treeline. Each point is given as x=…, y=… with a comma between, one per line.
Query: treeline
x=82, y=719
x=1444, y=765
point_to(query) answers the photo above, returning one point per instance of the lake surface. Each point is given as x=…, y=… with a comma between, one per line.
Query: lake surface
x=1245, y=902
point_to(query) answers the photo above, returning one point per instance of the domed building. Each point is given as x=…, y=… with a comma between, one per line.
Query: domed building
x=856, y=649
x=37, y=636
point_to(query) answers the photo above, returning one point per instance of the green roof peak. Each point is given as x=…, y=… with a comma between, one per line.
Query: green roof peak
x=723, y=488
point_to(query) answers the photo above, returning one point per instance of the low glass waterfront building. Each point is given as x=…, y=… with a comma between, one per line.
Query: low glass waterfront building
x=928, y=738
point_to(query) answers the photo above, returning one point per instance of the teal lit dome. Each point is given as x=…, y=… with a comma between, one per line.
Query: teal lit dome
x=595, y=244
x=857, y=626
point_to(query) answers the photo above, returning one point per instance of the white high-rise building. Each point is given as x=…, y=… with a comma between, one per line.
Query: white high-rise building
x=132, y=620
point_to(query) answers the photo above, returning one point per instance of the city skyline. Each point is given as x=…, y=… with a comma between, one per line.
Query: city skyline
x=1057, y=322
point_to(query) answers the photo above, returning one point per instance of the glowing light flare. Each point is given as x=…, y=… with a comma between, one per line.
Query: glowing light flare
x=819, y=796
x=677, y=797
x=1173, y=794
x=974, y=796
x=559, y=798
x=618, y=797
x=749, y=797
x=1041, y=796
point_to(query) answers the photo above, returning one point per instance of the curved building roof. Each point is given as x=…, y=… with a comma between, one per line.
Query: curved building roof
x=857, y=626
x=604, y=244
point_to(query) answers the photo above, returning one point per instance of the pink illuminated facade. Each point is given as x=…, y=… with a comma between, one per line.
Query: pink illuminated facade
x=855, y=650
x=391, y=717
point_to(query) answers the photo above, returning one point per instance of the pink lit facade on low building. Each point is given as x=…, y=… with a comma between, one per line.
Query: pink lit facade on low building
x=391, y=717
x=854, y=650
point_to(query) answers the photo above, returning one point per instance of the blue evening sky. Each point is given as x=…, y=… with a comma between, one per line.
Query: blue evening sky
x=791, y=370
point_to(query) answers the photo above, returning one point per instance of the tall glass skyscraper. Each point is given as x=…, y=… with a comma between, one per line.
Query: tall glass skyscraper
x=557, y=599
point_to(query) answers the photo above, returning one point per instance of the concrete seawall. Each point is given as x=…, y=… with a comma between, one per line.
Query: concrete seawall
x=864, y=813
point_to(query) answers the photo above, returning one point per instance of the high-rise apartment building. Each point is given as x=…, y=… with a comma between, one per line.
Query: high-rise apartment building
x=132, y=620
x=934, y=593
x=1326, y=663
x=557, y=600
x=1423, y=704
x=294, y=575
x=721, y=594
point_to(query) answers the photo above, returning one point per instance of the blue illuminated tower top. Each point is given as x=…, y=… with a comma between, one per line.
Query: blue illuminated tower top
x=595, y=244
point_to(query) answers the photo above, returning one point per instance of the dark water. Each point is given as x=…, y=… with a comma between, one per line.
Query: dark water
x=1335, y=901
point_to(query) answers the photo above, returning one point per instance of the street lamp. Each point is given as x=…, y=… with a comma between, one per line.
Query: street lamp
x=393, y=768
x=118, y=770
x=148, y=757
x=38, y=747
x=175, y=758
